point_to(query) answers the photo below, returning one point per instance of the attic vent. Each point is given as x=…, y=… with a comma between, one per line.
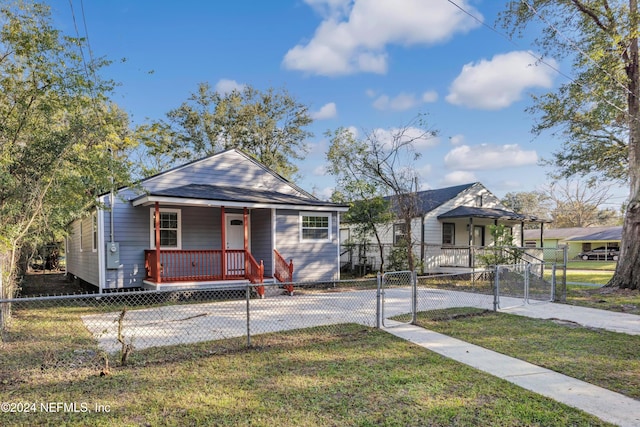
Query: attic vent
x=236, y=222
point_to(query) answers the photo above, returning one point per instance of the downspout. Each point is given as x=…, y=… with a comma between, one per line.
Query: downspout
x=101, y=245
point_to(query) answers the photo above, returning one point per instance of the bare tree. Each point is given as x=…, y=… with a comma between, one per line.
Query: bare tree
x=577, y=204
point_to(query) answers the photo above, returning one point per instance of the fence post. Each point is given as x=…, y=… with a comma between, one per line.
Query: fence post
x=248, y=294
x=414, y=297
x=378, y=299
x=553, y=282
x=496, y=288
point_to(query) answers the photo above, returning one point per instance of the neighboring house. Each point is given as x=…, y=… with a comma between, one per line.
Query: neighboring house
x=225, y=217
x=451, y=228
x=577, y=239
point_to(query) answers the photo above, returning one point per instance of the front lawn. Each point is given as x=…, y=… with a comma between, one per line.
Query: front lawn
x=607, y=359
x=352, y=375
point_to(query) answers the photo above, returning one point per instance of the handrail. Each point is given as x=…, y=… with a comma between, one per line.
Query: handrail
x=283, y=271
x=255, y=273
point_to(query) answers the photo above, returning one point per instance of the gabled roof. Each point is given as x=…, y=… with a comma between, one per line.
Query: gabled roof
x=215, y=195
x=577, y=233
x=611, y=234
x=220, y=153
x=431, y=199
x=475, y=212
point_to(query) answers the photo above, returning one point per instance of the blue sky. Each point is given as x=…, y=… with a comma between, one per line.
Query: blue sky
x=364, y=64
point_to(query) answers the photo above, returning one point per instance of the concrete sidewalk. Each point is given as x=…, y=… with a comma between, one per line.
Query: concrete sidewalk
x=607, y=405
x=584, y=316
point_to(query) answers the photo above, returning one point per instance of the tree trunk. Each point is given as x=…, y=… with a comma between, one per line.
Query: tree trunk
x=627, y=274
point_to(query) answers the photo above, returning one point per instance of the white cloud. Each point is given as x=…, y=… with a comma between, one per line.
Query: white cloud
x=403, y=101
x=430, y=96
x=424, y=170
x=327, y=111
x=325, y=193
x=499, y=82
x=459, y=177
x=489, y=156
x=225, y=86
x=353, y=36
x=320, y=170
x=329, y=8
x=456, y=139
x=416, y=135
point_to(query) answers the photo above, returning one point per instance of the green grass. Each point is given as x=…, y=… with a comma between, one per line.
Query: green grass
x=352, y=376
x=604, y=358
x=591, y=265
x=594, y=277
x=621, y=300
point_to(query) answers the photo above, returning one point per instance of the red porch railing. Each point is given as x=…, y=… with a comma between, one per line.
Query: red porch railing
x=255, y=273
x=201, y=265
x=284, y=271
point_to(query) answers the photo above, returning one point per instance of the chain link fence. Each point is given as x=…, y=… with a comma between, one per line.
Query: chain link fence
x=119, y=324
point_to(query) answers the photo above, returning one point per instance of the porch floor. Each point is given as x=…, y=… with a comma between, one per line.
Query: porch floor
x=200, y=284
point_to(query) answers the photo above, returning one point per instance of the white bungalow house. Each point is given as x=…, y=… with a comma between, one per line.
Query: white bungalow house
x=449, y=231
x=222, y=219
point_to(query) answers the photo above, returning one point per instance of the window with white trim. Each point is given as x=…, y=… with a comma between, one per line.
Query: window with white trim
x=315, y=227
x=448, y=233
x=399, y=234
x=170, y=229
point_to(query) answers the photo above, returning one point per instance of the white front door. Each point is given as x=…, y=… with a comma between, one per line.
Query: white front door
x=234, y=232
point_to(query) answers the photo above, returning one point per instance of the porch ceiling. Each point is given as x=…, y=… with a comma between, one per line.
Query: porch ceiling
x=490, y=213
x=215, y=195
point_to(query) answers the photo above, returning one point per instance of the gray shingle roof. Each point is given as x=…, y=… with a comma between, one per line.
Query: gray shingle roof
x=431, y=199
x=608, y=235
x=237, y=194
x=492, y=213
x=577, y=233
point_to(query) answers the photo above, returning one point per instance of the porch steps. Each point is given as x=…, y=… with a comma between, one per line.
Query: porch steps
x=188, y=285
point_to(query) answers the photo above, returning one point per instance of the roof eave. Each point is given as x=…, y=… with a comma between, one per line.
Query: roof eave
x=147, y=200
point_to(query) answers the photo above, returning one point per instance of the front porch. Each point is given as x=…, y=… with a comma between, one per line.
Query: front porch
x=201, y=267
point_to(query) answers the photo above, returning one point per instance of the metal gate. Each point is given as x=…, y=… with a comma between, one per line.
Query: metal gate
x=396, y=298
x=517, y=285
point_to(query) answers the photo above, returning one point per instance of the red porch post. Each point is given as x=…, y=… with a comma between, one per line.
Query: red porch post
x=223, y=233
x=158, y=277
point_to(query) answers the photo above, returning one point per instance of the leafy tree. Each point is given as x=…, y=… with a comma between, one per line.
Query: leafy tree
x=60, y=138
x=380, y=164
x=503, y=250
x=367, y=207
x=598, y=112
x=535, y=203
x=269, y=125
